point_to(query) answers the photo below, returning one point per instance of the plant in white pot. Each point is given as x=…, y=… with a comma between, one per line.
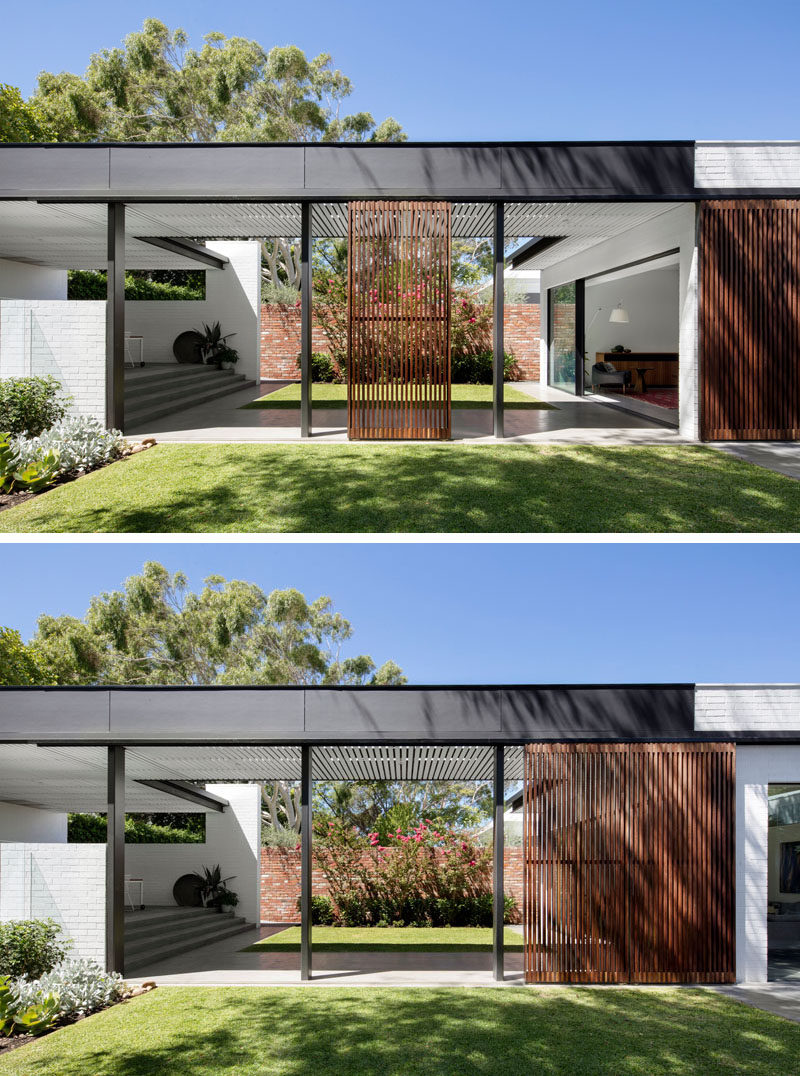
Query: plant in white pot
x=226, y=357
x=212, y=341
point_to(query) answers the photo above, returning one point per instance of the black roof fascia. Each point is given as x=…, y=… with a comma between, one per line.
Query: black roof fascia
x=491, y=714
x=483, y=171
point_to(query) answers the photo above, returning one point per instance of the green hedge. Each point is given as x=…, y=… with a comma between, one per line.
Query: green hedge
x=160, y=284
x=31, y=947
x=92, y=829
x=30, y=405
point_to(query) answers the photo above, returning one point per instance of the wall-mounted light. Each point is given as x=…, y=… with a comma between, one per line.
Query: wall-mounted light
x=619, y=314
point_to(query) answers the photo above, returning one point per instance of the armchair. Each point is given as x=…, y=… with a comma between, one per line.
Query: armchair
x=606, y=374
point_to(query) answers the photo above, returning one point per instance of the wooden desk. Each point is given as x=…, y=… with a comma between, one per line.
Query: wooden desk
x=663, y=365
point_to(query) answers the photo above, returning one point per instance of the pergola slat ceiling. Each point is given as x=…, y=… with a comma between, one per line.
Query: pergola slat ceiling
x=73, y=235
x=74, y=778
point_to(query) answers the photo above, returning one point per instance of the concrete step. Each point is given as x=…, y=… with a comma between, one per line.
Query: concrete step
x=172, y=389
x=139, y=415
x=156, y=919
x=192, y=930
x=146, y=379
x=141, y=958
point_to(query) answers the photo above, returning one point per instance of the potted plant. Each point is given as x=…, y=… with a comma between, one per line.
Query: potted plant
x=211, y=341
x=211, y=886
x=226, y=899
x=226, y=357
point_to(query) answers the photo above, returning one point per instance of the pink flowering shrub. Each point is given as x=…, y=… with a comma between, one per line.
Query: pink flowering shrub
x=428, y=875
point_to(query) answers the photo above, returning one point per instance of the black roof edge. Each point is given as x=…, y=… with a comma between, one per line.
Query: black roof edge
x=348, y=687
x=437, y=143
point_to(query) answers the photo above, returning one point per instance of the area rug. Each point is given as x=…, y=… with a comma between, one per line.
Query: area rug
x=660, y=397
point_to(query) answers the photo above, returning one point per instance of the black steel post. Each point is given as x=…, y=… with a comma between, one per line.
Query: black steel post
x=305, y=862
x=115, y=862
x=580, y=337
x=498, y=845
x=305, y=319
x=497, y=326
x=115, y=318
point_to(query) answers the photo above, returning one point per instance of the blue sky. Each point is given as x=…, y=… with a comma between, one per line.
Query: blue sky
x=516, y=70
x=477, y=613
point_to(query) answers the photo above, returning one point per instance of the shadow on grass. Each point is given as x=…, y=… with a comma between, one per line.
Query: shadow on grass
x=292, y=1032
x=384, y=488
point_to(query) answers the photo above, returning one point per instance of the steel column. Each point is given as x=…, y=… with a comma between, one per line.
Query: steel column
x=115, y=862
x=115, y=318
x=305, y=319
x=305, y=862
x=498, y=846
x=498, y=309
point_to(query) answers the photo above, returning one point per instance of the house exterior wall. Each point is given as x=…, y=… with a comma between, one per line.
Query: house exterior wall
x=756, y=768
x=675, y=228
x=65, y=339
x=233, y=297
x=232, y=840
x=64, y=882
x=726, y=708
x=280, y=340
x=18, y=280
x=769, y=165
x=30, y=824
x=280, y=882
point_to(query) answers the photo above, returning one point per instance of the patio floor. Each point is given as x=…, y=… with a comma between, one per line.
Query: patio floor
x=224, y=964
x=574, y=420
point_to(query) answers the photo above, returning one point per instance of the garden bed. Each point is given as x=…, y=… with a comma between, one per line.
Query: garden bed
x=389, y=940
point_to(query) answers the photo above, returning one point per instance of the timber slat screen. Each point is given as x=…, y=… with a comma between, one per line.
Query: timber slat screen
x=629, y=865
x=750, y=319
x=398, y=341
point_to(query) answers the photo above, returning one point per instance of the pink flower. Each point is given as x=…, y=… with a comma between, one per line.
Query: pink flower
x=472, y=863
x=471, y=320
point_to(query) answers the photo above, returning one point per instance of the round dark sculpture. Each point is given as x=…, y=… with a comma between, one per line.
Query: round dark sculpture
x=186, y=347
x=186, y=891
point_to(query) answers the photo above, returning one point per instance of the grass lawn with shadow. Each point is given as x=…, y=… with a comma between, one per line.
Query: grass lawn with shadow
x=389, y=940
x=349, y=488
x=473, y=397
x=330, y=1031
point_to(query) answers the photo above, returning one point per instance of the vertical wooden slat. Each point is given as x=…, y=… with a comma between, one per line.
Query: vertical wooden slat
x=750, y=319
x=399, y=320
x=629, y=863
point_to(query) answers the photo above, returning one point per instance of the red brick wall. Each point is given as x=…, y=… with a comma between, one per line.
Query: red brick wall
x=280, y=339
x=280, y=882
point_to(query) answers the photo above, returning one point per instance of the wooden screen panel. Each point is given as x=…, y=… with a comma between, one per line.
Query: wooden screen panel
x=398, y=346
x=750, y=319
x=629, y=866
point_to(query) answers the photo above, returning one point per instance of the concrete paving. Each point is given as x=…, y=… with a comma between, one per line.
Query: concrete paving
x=574, y=420
x=783, y=457
x=780, y=999
x=223, y=964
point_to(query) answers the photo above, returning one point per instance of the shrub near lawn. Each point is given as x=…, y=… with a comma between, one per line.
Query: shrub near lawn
x=428, y=876
x=31, y=947
x=29, y=405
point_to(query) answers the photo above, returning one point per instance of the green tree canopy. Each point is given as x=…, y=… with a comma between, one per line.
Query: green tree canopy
x=19, y=666
x=157, y=89
x=20, y=120
x=384, y=806
x=157, y=631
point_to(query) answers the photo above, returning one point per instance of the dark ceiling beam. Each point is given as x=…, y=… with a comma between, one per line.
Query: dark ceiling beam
x=185, y=791
x=531, y=249
x=187, y=249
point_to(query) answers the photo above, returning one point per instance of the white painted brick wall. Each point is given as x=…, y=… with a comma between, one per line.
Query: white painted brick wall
x=747, y=707
x=65, y=339
x=233, y=840
x=64, y=882
x=756, y=768
x=233, y=298
x=747, y=164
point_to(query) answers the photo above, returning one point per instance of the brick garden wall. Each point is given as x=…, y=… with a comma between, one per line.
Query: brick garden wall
x=280, y=339
x=280, y=882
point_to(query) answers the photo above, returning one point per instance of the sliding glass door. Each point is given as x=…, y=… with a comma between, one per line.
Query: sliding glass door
x=565, y=337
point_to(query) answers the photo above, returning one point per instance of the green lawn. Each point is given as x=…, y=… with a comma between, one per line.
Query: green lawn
x=389, y=940
x=253, y=1031
x=334, y=396
x=440, y=488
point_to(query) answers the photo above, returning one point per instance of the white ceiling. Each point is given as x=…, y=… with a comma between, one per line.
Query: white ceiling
x=73, y=235
x=74, y=778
